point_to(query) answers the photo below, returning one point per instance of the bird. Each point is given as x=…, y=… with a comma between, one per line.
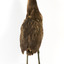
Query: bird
x=31, y=30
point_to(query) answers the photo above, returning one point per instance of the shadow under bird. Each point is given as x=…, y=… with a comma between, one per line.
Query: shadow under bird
x=31, y=30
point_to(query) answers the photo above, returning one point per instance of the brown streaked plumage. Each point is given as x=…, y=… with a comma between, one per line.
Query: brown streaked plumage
x=31, y=29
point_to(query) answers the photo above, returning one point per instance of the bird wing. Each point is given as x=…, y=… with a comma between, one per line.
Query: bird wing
x=31, y=27
x=31, y=34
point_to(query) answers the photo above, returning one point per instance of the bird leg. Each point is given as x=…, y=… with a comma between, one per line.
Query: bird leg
x=27, y=59
x=38, y=58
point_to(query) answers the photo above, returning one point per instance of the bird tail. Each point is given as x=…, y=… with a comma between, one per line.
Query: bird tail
x=29, y=51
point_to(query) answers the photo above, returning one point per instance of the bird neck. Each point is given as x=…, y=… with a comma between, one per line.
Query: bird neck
x=32, y=4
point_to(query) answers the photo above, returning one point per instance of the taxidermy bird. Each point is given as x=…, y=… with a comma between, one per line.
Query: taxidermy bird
x=31, y=30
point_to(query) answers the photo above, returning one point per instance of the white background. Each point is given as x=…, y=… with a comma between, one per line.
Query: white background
x=12, y=14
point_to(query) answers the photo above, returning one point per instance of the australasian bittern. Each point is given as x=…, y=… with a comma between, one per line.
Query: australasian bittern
x=31, y=30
